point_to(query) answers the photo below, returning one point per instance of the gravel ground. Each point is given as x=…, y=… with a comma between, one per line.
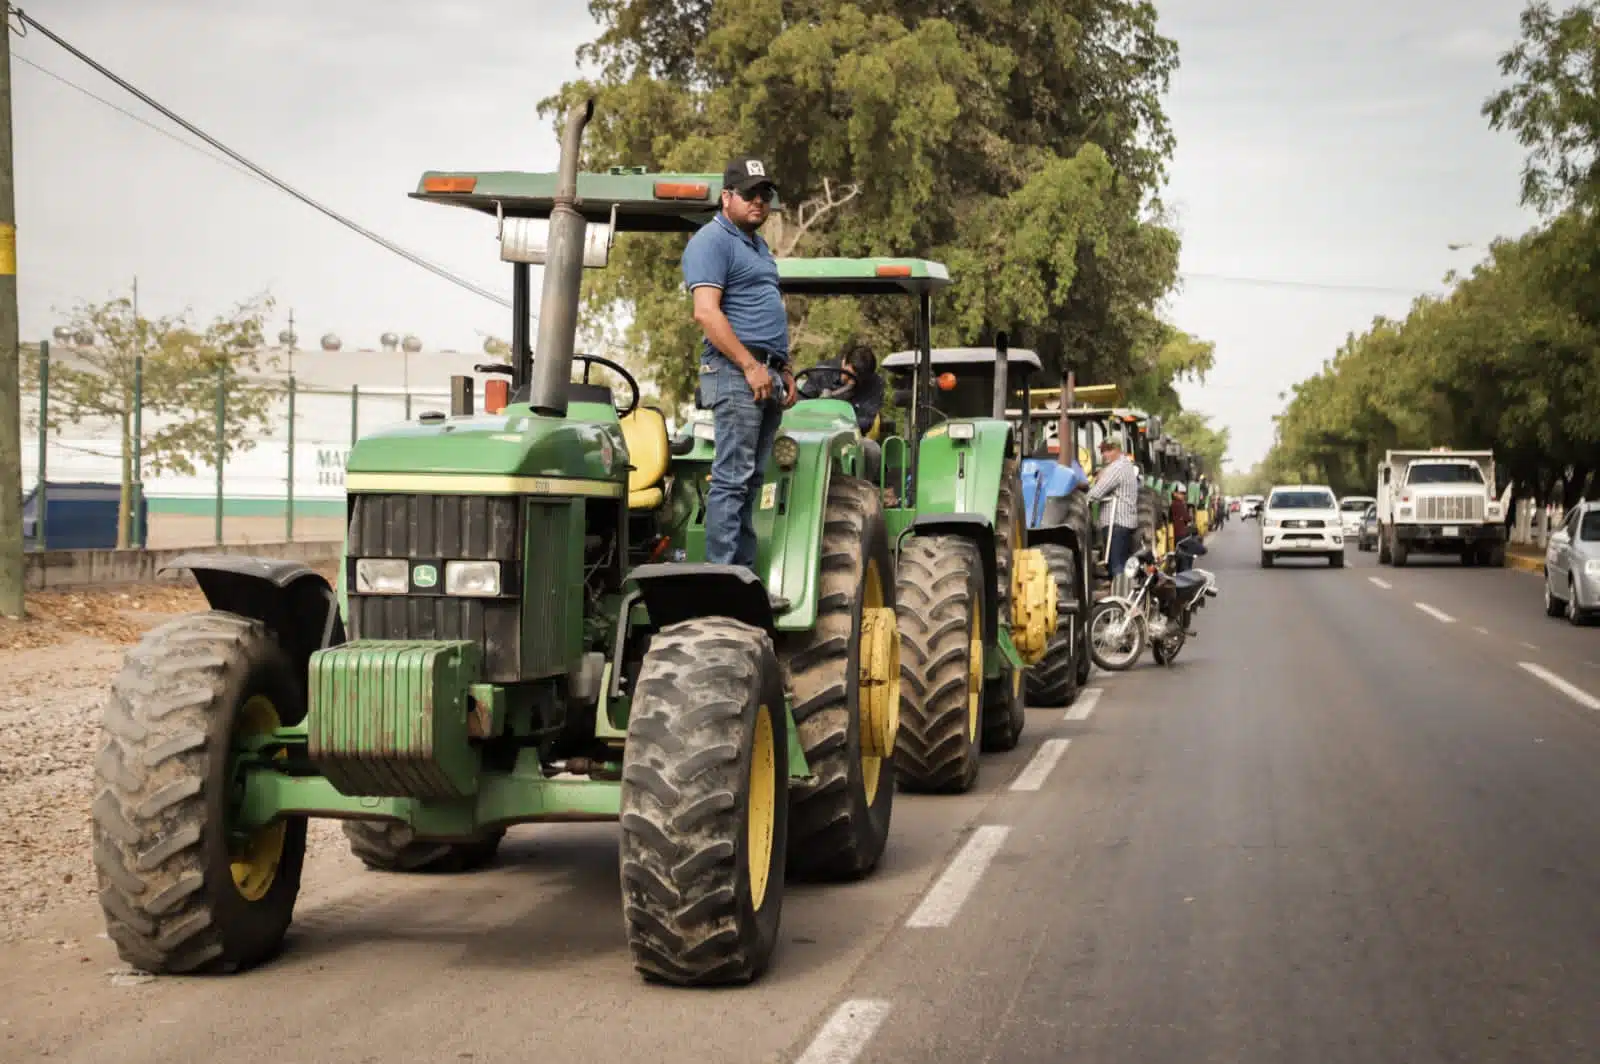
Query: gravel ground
x=57, y=666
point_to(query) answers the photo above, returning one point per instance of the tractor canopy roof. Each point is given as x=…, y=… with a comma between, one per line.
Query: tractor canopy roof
x=643, y=202
x=977, y=357
x=860, y=277
x=1101, y=398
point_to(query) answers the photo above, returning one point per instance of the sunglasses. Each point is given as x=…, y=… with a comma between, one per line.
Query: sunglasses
x=763, y=193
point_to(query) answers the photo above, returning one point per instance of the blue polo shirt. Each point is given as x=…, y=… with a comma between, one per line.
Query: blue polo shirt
x=724, y=256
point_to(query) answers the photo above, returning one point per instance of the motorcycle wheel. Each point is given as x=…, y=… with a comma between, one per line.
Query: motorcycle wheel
x=1165, y=650
x=1103, y=617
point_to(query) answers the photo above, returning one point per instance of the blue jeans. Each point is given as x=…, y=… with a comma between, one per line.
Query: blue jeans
x=1121, y=550
x=745, y=431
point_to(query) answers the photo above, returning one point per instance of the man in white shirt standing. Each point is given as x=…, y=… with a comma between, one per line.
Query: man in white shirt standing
x=1117, y=491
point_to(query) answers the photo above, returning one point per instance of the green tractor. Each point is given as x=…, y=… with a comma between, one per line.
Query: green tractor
x=967, y=383
x=523, y=632
x=975, y=608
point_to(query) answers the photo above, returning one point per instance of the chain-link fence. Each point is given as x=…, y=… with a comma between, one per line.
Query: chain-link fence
x=284, y=483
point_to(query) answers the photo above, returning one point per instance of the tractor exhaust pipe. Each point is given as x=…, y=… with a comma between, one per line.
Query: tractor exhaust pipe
x=1002, y=351
x=563, y=279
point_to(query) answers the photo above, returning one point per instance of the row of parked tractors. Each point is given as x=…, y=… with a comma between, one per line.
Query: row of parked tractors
x=522, y=630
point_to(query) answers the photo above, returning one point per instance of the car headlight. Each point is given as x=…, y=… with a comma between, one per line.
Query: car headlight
x=472, y=578
x=1494, y=510
x=1592, y=567
x=382, y=576
x=1132, y=568
x=962, y=430
x=786, y=452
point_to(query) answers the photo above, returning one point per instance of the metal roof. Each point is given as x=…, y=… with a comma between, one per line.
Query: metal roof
x=826, y=276
x=965, y=356
x=644, y=202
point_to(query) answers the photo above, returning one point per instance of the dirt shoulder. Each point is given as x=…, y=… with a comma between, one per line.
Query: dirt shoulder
x=57, y=666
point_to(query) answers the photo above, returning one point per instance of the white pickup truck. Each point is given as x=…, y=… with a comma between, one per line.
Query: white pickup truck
x=1440, y=502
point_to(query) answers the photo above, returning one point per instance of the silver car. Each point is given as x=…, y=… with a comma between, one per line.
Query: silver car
x=1572, y=565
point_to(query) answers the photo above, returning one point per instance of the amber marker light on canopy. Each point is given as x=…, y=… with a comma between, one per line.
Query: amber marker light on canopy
x=682, y=190
x=449, y=184
x=946, y=382
x=894, y=270
x=496, y=394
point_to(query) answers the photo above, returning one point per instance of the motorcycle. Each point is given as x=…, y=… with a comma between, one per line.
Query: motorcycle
x=1156, y=611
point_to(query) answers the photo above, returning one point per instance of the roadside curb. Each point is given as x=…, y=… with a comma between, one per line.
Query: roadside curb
x=1525, y=563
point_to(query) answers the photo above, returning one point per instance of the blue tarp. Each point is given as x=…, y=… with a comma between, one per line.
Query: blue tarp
x=1046, y=478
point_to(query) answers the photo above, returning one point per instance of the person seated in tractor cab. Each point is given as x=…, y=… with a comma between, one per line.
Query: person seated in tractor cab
x=862, y=387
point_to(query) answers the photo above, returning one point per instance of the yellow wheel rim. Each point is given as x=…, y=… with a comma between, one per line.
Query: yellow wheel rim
x=878, y=681
x=255, y=861
x=1034, y=607
x=974, y=672
x=762, y=805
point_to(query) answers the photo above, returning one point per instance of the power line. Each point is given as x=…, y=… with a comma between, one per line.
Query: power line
x=166, y=112
x=191, y=145
x=1272, y=282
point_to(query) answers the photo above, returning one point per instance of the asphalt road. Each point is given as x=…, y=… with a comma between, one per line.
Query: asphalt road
x=1341, y=828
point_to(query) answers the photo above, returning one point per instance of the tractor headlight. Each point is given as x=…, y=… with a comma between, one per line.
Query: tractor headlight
x=962, y=430
x=705, y=430
x=786, y=452
x=1132, y=568
x=472, y=578
x=382, y=576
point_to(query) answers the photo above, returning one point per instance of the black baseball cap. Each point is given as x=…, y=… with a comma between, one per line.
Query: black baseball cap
x=746, y=173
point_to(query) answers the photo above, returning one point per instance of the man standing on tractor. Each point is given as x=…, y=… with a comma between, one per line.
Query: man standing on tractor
x=1119, y=515
x=745, y=379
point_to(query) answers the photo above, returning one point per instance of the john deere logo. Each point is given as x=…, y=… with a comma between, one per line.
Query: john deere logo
x=424, y=576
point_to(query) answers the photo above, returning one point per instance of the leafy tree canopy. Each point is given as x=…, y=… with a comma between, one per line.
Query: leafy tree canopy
x=1022, y=142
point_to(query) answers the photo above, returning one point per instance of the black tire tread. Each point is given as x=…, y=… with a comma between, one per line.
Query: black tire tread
x=386, y=846
x=827, y=839
x=934, y=592
x=683, y=776
x=1054, y=680
x=152, y=829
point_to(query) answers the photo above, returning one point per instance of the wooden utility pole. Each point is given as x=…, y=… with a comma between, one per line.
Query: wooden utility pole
x=11, y=559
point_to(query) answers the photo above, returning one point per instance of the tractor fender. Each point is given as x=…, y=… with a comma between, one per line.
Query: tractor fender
x=294, y=601
x=980, y=530
x=1061, y=535
x=683, y=591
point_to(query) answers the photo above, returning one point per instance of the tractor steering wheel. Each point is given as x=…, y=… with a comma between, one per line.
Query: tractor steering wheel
x=633, y=385
x=844, y=371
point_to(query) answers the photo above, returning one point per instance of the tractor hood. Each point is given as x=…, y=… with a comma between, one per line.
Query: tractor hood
x=587, y=445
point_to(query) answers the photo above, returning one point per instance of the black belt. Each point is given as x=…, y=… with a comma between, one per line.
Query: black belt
x=771, y=359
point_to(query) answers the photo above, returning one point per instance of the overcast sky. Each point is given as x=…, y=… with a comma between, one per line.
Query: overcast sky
x=1317, y=148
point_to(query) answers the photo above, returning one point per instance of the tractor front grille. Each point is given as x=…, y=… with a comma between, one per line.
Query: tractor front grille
x=460, y=527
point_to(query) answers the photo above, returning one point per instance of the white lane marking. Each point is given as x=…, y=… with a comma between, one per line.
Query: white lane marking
x=1529, y=646
x=1083, y=708
x=1434, y=612
x=1381, y=583
x=1038, y=770
x=1481, y=631
x=946, y=897
x=1577, y=694
x=846, y=1033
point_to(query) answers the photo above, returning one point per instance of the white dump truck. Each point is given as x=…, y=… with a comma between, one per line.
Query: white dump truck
x=1440, y=501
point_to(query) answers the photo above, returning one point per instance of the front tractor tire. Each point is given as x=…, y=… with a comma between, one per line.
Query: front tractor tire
x=843, y=677
x=1054, y=681
x=389, y=847
x=181, y=890
x=940, y=594
x=704, y=805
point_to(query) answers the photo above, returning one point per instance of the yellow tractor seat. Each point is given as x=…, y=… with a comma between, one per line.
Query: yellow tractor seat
x=645, y=431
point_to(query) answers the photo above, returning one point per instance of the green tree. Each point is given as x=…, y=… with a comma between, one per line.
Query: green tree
x=100, y=381
x=1023, y=142
x=1553, y=103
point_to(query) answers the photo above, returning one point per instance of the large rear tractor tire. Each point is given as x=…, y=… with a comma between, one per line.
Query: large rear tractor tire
x=705, y=809
x=940, y=607
x=1004, y=709
x=182, y=891
x=390, y=847
x=1054, y=681
x=1149, y=520
x=844, y=679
